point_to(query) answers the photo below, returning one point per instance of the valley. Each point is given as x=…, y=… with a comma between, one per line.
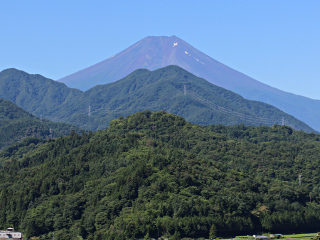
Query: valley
x=17, y=124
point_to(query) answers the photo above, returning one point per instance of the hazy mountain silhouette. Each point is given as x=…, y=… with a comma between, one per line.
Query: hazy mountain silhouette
x=156, y=52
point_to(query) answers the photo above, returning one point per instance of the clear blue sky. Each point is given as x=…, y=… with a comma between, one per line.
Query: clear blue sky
x=275, y=42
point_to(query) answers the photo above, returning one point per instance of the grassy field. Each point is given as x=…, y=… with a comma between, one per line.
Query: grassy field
x=301, y=236
x=304, y=236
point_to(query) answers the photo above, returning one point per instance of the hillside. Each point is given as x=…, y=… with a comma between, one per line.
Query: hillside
x=157, y=52
x=155, y=174
x=171, y=89
x=17, y=124
x=33, y=92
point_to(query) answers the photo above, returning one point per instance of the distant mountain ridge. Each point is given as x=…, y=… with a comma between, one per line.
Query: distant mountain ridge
x=172, y=89
x=156, y=52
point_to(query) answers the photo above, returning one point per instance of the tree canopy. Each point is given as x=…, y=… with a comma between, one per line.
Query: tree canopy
x=153, y=173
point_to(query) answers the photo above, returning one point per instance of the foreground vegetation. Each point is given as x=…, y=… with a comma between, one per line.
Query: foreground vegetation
x=153, y=173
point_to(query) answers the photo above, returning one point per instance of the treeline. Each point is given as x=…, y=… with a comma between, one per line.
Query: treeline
x=154, y=174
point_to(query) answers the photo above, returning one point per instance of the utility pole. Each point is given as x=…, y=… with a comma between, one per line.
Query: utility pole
x=185, y=90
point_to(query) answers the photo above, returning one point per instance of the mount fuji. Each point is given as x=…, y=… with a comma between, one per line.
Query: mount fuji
x=156, y=52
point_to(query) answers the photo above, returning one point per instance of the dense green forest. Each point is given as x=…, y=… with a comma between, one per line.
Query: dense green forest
x=172, y=89
x=17, y=124
x=34, y=93
x=154, y=174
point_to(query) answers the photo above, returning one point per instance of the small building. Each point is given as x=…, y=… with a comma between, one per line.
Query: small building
x=10, y=233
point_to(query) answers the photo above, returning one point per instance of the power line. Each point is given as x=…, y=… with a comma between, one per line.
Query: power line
x=228, y=111
x=210, y=104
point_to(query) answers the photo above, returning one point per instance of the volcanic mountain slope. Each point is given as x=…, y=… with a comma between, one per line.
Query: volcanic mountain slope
x=17, y=124
x=157, y=52
x=172, y=89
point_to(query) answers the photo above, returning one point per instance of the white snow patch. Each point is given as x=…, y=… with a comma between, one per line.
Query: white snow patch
x=197, y=59
x=186, y=52
x=111, y=57
x=175, y=44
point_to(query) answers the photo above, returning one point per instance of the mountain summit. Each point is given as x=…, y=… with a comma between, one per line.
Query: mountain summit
x=153, y=53
x=157, y=52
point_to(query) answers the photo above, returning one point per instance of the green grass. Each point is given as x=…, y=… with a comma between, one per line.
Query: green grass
x=295, y=236
x=301, y=236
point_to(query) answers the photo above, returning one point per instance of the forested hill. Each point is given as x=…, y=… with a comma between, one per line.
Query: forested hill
x=33, y=92
x=171, y=89
x=153, y=173
x=17, y=124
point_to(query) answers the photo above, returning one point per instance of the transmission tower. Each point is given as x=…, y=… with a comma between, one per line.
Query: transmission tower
x=282, y=121
x=299, y=180
x=89, y=111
